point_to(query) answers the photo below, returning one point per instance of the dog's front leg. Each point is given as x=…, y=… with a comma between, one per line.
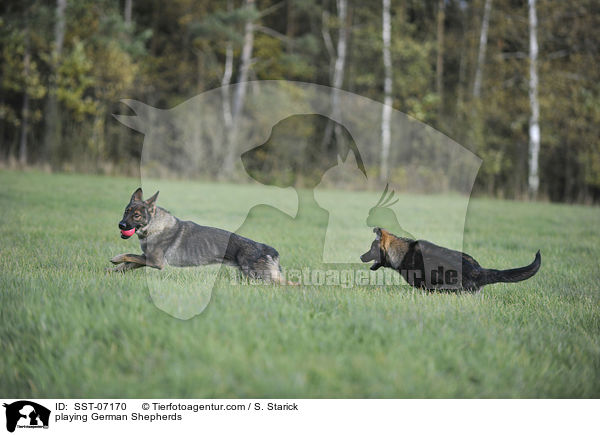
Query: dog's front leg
x=129, y=258
x=124, y=267
x=157, y=260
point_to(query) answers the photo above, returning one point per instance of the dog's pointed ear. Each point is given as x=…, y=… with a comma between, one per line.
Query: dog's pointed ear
x=377, y=232
x=152, y=200
x=137, y=195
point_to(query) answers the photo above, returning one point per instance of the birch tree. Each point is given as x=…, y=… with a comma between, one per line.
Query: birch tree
x=485, y=24
x=339, y=62
x=439, y=70
x=240, y=90
x=245, y=61
x=226, y=79
x=25, y=109
x=225, y=82
x=534, y=126
x=387, y=90
x=53, y=118
x=127, y=12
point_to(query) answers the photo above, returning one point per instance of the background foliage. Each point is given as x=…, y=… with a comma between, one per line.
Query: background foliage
x=167, y=52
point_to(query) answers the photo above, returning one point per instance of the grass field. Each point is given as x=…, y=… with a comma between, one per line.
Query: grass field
x=68, y=329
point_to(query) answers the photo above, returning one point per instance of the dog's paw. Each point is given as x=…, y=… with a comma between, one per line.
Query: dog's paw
x=120, y=268
x=118, y=259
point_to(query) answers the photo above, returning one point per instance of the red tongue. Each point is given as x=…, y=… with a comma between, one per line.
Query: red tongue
x=128, y=233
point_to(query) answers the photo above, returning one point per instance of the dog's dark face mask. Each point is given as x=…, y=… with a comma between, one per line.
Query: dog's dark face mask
x=375, y=253
x=138, y=214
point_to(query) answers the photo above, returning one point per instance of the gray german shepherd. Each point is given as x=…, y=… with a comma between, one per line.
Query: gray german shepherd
x=167, y=240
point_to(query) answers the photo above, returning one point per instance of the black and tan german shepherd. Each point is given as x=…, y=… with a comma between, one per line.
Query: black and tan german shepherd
x=426, y=265
x=167, y=240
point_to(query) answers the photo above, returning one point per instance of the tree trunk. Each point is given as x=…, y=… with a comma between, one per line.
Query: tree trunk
x=337, y=79
x=340, y=61
x=240, y=90
x=225, y=82
x=534, y=126
x=122, y=135
x=387, y=90
x=290, y=28
x=461, y=85
x=53, y=117
x=24, y=129
x=59, y=30
x=482, y=48
x=3, y=145
x=441, y=16
x=127, y=12
x=25, y=109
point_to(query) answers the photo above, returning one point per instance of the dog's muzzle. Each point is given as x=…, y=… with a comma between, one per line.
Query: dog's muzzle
x=126, y=233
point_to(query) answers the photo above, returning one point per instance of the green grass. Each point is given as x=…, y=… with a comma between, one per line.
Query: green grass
x=67, y=329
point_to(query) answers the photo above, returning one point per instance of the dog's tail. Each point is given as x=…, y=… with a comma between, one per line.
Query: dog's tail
x=490, y=276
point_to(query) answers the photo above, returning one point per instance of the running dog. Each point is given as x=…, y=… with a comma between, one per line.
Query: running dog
x=165, y=239
x=426, y=265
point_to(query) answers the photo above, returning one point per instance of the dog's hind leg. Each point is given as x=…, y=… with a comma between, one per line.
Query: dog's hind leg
x=272, y=272
x=265, y=268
